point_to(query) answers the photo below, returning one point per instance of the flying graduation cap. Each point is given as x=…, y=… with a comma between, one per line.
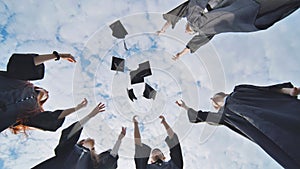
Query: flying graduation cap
x=149, y=92
x=118, y=64
x=118, y=31
x=137, y=76
x=131, y=95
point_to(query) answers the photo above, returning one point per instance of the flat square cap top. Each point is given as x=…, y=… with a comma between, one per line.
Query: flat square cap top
x=137, y=76
x=118, y=30
x=149, y=92
x=118, y=64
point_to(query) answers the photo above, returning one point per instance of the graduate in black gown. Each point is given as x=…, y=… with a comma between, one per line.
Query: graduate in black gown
x=21, y=103
x=70, y=153
x=269, y=116
x=210, y=17
x=143, y=151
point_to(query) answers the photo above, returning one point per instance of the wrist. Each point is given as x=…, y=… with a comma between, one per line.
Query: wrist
x=55, y=53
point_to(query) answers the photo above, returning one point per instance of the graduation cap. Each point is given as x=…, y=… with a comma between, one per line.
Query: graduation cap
x=149, y=92
x=118, y=31
x=131, y=95
x=137, y=76
x=118, y=64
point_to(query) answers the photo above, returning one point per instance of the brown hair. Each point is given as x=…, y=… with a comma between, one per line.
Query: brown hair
x=18, y=127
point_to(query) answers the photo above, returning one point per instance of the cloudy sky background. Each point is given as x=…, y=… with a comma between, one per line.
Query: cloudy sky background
x=81, y=28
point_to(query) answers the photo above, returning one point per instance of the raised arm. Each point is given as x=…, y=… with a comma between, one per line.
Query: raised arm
x=114, y=151
x=142, y=151
x=72, y=110
x=194, y=44
x=200, y=116
x=46, y=57
x=167, y=127
x=99, y=108
x=173, y=143
x=137, y=135
x=164, y=28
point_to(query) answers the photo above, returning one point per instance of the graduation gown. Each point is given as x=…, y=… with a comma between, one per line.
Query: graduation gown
x=264, y=116
x=18, y=97
x=229, y=16
x=142, y=154
x=70, y=155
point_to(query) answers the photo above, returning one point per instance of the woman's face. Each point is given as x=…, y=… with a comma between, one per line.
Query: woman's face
x=217, y=101
x=43, y=94
x=156, y=155
x=88, y=143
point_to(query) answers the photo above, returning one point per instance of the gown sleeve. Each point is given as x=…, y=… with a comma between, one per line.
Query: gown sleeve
x=197, y=41
x=204, y=116
x=175, y=151
x=67, y=143
x=141, y=157
x=22, y=67
x=176, y=14
x=46, y=120
x=107, y=160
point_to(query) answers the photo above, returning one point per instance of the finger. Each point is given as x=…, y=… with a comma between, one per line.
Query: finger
x=134, y=118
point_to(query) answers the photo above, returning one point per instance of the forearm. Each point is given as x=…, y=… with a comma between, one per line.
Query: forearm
x=169, y=130
x=137, y=135
x=114, y=151
x=67, y=112
x=166, y=26
x=43, y=58
x=184, y=51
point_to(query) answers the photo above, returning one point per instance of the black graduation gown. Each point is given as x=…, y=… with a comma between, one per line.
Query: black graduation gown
x=230, y=16
x=264, y=116
x=70, y=155
x=18, y=97
x=142, y=154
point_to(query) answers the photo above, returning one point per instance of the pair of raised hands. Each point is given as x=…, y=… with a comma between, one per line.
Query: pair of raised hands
x=99, y=108
x=134, y=120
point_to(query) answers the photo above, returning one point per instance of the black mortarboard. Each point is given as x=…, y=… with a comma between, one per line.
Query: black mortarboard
x=118, y=64
x=131, y=95
x=118, y=30
x=145, y=69
x=137, y=76
x=149, y=92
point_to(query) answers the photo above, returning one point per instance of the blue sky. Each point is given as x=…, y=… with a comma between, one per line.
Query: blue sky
x=81, y=28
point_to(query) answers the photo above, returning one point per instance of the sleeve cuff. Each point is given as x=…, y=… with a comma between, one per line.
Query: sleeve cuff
x=173, y=141
x=142, y=151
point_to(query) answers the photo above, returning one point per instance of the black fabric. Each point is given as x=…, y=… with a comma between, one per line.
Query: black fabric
x=142, y=154
x=273, y=11
x=46, y=120
x=118, y=30
x=70, y=155
x=21, y=66
x=176, y=14
x=107, y=161
x=175, y=151
x=267, y=117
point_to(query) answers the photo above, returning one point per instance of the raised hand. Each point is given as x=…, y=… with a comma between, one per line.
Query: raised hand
x=67, y=57
x=160, y=32
x=163, y=120
x=176, y=56
x=99, y=108
x=82, y=104
x=123, y=133
x=180, y=103
x=134, y=119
